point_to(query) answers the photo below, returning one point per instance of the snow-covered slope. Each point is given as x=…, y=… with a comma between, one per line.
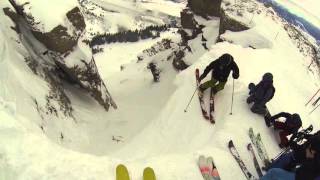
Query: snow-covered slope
x=107, y=16
x=150, y=127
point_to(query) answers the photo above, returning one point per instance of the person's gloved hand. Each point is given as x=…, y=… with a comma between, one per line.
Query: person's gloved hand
x=235, y=76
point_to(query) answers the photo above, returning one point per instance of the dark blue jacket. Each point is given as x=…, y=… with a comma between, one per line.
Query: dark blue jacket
x=262, y=92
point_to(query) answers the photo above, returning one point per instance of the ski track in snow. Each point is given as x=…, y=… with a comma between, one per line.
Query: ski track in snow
x=150, y=122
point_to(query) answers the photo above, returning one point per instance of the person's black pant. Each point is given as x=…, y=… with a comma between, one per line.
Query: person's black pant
x=257, y=107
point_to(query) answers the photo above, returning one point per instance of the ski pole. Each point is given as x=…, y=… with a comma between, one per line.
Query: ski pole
x=314, y=109
x=281, y=153
x=310, y=64
x=232, y=96
x=312, y=97
x=185, y=110
x=316, y=101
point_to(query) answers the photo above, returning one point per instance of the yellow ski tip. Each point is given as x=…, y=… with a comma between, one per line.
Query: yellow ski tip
x=122, y=173
x=148, y=174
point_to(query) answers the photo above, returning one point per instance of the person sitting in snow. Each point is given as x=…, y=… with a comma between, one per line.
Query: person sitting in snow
x=221, y=69
x=260, y=94
x=290, y=126
x=301, y=162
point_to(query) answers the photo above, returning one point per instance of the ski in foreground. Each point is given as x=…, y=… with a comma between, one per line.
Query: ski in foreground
x=255, y=161
x=148, y=174
x=257, y=142
x=208, y=169
x=241, y=164
x=122, y=173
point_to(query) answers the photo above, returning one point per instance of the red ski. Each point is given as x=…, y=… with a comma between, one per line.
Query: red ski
x=212, y=120
x=202, y=105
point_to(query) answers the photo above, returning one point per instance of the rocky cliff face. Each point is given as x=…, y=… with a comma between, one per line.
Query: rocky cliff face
x=63, y=47
x=228, y=22
x=187, y=19
x=60, y=39
x=205, y=7
x=235, y=17
x=228, y=13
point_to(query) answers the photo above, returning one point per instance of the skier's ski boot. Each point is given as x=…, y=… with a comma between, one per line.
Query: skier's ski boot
x=201, y=90
x=267, y=120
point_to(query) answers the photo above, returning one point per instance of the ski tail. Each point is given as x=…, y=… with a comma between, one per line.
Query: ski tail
x=208, y=169
x=214, y=173
x=204, y=167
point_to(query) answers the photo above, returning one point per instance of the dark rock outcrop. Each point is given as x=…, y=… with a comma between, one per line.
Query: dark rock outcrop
x=14, y=17
x=76, y=19
x=187, y=19
x=229, y=23
x=58, y=39
x=205, y=7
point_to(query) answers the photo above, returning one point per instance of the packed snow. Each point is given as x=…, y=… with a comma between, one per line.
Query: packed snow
x=150, y=127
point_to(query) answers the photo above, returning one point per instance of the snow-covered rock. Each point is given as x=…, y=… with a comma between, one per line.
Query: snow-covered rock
x=59, y=30
x=61, y=35
x=187, y=19
x=236, y=15
x=249, y=38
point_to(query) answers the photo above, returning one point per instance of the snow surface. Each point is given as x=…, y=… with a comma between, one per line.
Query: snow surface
x=151, y=125
x=248, y=38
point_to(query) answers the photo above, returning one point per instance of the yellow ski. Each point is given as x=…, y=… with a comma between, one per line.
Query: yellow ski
x=148, y=174
x=122, y=173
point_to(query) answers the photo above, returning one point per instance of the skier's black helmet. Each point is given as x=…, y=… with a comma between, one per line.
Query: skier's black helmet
x=267, y=77
x=226, y=59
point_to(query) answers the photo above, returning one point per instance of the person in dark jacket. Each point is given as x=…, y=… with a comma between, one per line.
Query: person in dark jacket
x=301, y=163
x=260, y=94
x=221, y=69
x=289, y=126
x=155, y=71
